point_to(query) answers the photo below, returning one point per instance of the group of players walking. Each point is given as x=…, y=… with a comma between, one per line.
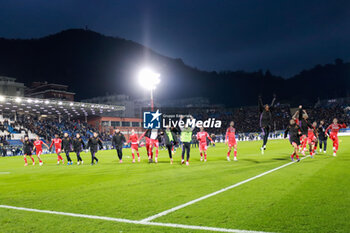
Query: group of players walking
x=301, y=133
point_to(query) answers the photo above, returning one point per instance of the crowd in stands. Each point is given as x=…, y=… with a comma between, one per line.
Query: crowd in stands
x=48, y=127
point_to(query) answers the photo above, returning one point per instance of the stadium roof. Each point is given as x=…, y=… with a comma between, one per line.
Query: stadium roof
x=49, y=107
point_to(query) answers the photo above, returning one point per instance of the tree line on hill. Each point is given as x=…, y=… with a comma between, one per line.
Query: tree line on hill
x=93, y=64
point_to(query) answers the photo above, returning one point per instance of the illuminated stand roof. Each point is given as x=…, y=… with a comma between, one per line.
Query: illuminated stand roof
x=27, y=105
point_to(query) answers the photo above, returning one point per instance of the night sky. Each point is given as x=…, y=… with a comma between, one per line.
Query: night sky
x=283, y=36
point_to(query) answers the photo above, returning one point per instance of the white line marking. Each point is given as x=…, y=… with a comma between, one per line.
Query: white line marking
x=4, y=173
x=214, y=193
x=173, y=225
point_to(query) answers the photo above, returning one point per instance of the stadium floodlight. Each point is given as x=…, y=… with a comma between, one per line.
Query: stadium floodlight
x=47, y=102
x=149, y=80
x=18, y=100
x=2, y=98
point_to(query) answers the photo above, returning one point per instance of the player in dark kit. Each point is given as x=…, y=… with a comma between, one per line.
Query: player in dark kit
x=66, y=146
x=265, y=120
x=294, y=137
x=27, y=150
x=78, y=145
x=322, y=137
x=304, y=128
x=93, y=144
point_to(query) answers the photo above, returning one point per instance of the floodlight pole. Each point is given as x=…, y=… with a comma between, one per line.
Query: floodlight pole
x=152, y=102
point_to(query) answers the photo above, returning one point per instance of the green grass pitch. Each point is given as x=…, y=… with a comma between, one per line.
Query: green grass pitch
x=310, y=196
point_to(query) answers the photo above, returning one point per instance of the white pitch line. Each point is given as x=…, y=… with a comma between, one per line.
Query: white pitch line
x=214, y=193
x=4, y=173
x=121, y=220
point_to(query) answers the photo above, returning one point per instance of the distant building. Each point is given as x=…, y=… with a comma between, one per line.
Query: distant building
x=45, y=90
x=109, y=124
x=9, y=87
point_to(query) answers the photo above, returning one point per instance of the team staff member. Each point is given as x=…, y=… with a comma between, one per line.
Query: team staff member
x=265, y=120
x=66, y=144
x=118, y=141
x=93, y=144
x=78, y=144
x=322, y=137
x=186, y=137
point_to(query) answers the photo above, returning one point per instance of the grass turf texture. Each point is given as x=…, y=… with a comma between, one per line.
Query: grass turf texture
x=311, y=196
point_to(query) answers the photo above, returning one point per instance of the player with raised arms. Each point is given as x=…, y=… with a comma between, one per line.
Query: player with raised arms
x=265, y=120
x=305, y=125
x=294, y=137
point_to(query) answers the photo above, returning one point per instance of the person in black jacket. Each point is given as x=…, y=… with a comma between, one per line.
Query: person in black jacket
x=93, y=144
x=118, y=140
x=78, y=144
x=265, y=120
x=27, y=150
x=322, y=136
x=66, y=146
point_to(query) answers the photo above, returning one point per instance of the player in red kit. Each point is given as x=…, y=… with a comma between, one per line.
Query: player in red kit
x=58, y=145
x=335, y=127
x=230, y=140
x=38, y=145
x=154, y=143
x=134, y=145
x=312, y=138
x=202, y=138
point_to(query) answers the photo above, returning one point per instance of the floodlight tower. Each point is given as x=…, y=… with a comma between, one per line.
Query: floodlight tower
x=149, y=79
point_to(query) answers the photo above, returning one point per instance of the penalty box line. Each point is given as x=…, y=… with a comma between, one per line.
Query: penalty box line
x=161, y=214
x=121, y=220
